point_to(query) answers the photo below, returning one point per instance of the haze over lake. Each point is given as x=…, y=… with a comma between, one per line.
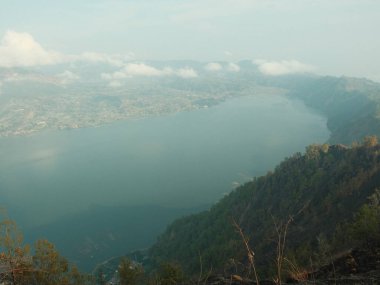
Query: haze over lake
x=180, y=160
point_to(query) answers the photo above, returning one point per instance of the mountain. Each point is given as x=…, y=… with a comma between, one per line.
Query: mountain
x=323, y=202
x=352, y=105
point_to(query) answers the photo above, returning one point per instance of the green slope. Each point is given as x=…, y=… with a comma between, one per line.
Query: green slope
x=321, y=189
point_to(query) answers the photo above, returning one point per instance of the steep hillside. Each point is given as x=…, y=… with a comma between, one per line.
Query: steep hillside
x=315, y=192
x=351, y=105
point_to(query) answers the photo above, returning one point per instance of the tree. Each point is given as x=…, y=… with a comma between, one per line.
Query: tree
x=100, y=280
x=313, y=151
x=50, y=268
x=129, y=272
x=170, y=274
x=45, y=267
x=370, y=141
x=14, y=256
x=75, y=277
x=366, y=225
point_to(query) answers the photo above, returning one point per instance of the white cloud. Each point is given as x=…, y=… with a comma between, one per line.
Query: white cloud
x=115, y=84
x=283, y=67
x=112, y=59
x=186, y=73
x=136, y=69
x=20, y=49
x=213, y=66
x=68, y=77
x=233, y=67
x=142, y=69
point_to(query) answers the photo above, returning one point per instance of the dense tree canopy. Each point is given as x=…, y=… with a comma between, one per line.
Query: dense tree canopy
x=325, y=187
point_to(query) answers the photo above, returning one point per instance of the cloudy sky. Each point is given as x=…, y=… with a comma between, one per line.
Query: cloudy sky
x=325, y=36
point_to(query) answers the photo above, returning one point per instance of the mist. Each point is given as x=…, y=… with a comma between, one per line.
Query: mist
x=163, y=108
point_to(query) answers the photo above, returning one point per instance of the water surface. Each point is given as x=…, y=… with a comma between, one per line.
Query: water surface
x=180, y=160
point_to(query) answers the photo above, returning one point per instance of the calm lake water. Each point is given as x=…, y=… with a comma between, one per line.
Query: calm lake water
x=180, y=160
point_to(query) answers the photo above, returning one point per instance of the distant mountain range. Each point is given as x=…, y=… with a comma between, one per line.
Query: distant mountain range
x=351, y=105
x=83, y=94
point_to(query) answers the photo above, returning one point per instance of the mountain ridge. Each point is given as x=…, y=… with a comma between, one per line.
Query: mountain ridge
x=324, y=186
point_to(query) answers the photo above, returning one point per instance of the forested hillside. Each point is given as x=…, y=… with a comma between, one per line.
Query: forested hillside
x=324, y=202
x=351, y=105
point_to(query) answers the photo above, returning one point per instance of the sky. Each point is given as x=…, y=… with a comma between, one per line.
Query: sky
x=336, y=37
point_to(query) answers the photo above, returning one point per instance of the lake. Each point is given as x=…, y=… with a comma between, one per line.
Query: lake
x=182, y=160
